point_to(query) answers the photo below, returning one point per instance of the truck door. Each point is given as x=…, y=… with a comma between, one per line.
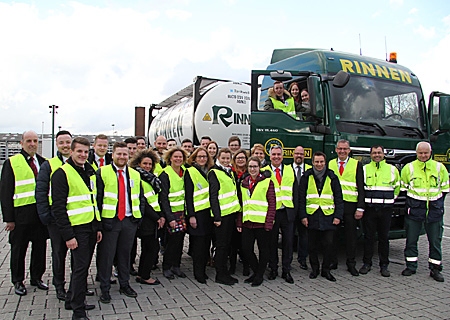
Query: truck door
x=439, y=116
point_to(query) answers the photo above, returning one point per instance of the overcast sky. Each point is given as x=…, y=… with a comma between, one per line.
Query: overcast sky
x=98, y=59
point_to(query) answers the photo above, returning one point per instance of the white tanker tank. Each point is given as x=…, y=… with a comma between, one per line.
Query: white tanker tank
x=209, y=107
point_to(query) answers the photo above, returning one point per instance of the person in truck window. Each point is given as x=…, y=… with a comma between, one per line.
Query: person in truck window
x=301, y=100
x=280, y=99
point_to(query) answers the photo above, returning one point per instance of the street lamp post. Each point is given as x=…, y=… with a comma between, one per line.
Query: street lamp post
x=113, y=128
x=53, y=107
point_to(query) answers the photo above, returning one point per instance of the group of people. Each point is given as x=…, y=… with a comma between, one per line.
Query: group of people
x=224, y=198
x=294, y=101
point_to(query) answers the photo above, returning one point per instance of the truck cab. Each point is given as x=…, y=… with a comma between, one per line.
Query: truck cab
x=364, y=100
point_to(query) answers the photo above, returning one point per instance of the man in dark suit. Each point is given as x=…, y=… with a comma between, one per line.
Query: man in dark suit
x=120, y=201
x=18, y=203
x=283, y=177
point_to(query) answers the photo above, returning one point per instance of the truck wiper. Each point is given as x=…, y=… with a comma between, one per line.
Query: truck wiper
x=372, y=124
x=411, y=129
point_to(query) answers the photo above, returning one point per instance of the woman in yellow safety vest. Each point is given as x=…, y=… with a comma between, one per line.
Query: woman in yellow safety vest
x=224, y=206
x=258, y=202
x=198, y=210
x=144, y=162
x=171, y=199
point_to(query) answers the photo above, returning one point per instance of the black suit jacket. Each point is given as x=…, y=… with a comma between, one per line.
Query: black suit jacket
x=20, y=215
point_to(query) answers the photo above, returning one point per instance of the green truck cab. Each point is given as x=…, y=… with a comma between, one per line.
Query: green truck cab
x=364, y=100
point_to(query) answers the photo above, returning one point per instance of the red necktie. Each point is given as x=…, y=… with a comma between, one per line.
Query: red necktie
x=102, y=162
x=33, y=166
x=341, y=167
x=122, y=204
x=278, y=175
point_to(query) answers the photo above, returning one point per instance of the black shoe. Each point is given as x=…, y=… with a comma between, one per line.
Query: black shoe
x=333, y=266
x=128, y=291
x=225, y=280
x=303, y=265
x=169, y=274
x=89, y=293
x=436, y=275
x=61, y=294
x=105, y=297
x=67, y=306
x=176, y=271
x=133, y=272
x=353, y=271
x=39, y=284
x=201, y=280
x=314, y=274
x=408, y=272
x=250, y=279
x=273, y=275
x=365, y=268
x=287, y=276
x=246, y=271
x=385, y=272
x=19, y=289
x=257, y=282
x=327, y=275
x=233, y=279
x=142, y=281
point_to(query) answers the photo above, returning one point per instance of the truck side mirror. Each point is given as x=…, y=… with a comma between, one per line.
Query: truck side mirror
x=341, y=79
x=444, y=113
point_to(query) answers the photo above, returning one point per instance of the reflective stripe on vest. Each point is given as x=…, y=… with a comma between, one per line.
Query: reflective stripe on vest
x=314, y=201
x=24, y=181
x=54, y=163
x=254, y=207
x=348, y=178
x=228, y=200
x=283, y=192
x=81, y=202
x=176, y=190
x=289, y=108
x=151, y=196
x=201, y=189
x=110, y=195
x=425, y=185
x=381, y=182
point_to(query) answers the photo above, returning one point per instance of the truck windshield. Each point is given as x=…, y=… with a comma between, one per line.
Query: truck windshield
x=387, y=107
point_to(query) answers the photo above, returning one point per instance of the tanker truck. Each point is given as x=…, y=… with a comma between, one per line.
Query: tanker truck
x=208, y=107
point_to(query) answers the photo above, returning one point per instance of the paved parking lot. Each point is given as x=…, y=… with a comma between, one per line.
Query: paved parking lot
x=365, y=297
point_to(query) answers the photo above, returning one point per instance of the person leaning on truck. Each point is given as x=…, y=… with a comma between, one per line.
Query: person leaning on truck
x=280, y=99
x=382, y=186
x=426, y=184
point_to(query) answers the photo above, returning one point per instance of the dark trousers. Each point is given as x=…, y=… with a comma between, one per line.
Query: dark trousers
x=350, y=231
x=174, y=250
x=302, y=244
x=434, y=232
x=81, y=260
x=376, y=220
x=200, y=254
x=223, y=242
x=262, y=237
x=287, y=234
x=119, y=239
x=133, y=252
x=318, y=239
x=149, y=252
x=19, y=239
x=59, y=253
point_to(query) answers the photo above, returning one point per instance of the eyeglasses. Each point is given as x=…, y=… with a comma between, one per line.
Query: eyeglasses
x=253, y=167
x=342, y=149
